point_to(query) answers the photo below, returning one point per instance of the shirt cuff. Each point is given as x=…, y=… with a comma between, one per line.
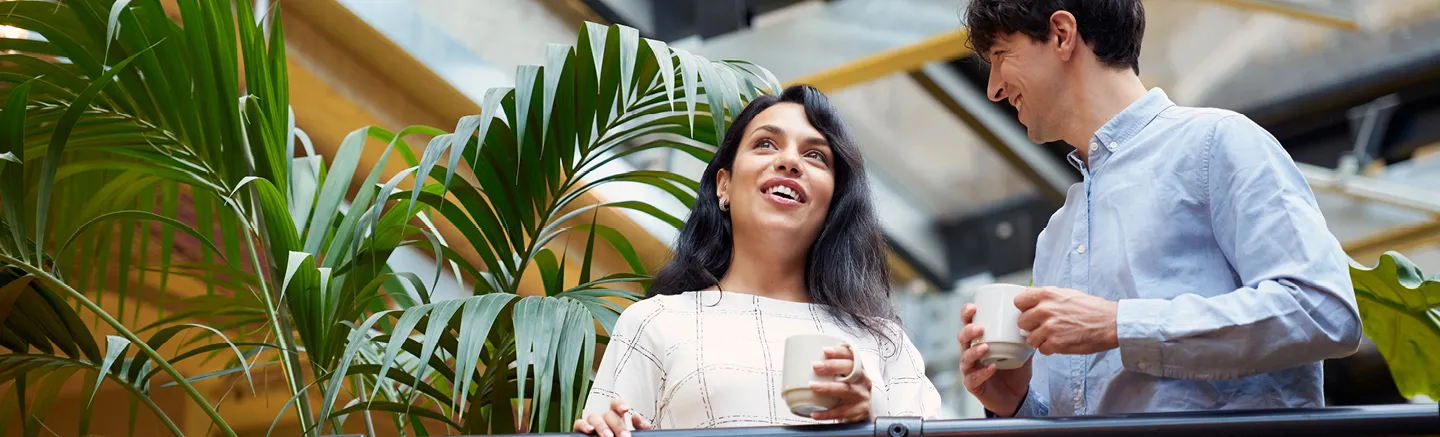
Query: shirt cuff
x=1138, y=326
x=1029, y=407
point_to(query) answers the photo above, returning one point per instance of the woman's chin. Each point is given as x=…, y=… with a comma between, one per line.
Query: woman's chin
x=784, y=226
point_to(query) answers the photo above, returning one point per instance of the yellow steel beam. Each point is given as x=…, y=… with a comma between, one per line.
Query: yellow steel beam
x=942, y=47
x=1293, y=11
x=344, y=75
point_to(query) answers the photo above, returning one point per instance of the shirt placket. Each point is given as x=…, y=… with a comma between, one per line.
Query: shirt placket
x=1080, y=272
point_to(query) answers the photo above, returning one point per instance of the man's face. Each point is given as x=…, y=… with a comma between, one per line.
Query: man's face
x=1029, y=75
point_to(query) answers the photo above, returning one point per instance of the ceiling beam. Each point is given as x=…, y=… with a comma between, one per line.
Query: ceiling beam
x=1398, y=238
x=1299, y=10
x=337, y=86
x=998, y=130
x=945, y=46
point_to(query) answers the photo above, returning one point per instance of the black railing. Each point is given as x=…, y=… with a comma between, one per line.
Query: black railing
x=1384, y=420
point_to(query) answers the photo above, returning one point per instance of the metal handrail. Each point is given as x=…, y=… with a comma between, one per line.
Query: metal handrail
x=1360, y=421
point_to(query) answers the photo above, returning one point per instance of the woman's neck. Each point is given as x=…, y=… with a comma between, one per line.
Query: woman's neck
x=767, y=273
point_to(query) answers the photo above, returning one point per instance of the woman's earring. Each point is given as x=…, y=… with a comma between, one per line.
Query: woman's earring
x=724, y=204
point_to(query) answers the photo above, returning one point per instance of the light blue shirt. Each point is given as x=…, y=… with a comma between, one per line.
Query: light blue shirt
x=1231, y=290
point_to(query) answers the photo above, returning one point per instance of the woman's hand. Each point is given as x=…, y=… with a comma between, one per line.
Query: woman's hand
x=854, y=395
x=611, y=423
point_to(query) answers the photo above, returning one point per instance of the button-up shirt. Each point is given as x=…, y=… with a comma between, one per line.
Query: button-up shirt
x=1231, y=290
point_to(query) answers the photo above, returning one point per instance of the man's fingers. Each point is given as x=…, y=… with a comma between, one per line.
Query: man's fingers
x=969, y=334
x=1031, y=319
x=975, y=379
x=970, y=359
x=1038, y=338
x=1029, y=298
x=967, y=313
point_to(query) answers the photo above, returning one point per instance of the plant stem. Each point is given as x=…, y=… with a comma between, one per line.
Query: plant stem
x=123, y=331
x=290, y=355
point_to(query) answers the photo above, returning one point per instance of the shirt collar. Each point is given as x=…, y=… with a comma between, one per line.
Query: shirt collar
x=1127, y=123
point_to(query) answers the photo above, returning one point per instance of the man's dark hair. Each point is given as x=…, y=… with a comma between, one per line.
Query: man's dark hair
x=1111, y=28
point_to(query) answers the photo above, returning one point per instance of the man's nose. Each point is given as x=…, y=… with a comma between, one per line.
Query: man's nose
x=995, y=88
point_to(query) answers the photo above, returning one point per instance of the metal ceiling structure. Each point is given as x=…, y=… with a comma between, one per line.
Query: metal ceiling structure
x=962, y=192
x=956, y=170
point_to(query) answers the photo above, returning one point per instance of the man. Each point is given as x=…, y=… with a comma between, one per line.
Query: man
x=1190, y=270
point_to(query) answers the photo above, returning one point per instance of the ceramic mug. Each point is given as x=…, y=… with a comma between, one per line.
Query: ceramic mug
x=801, y=353
x=996, y=312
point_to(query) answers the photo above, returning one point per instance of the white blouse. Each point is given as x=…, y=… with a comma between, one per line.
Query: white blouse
x=713, y=359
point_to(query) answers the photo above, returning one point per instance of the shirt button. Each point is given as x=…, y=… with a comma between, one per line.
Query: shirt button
x=1112, y=146
x=1094, y=147
x=1081, y=249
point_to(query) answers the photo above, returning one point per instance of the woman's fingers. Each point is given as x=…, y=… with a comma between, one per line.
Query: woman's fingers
x=617, y=424
x=842, y=352
x=598, y=425
x=640, y=422
x=583, y=427
x=848, y=413
x=834, y=367
x=838, y=389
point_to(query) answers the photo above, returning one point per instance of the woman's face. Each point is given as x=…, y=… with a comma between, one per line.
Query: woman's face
x=781, y=182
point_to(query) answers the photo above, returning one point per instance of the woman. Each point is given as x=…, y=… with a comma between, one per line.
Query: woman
x=783, y=240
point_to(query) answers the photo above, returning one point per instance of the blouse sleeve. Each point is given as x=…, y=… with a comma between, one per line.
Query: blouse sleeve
x=909, y=393
x=629, y=369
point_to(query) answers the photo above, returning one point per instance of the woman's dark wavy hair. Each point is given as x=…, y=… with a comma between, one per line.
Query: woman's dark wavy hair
x=846, y=269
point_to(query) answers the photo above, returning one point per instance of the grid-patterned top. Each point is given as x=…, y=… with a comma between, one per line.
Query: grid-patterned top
x=710, y=359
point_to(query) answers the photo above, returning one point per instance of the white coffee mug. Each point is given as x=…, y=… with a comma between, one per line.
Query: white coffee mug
x=801, y=353
x=996, y=312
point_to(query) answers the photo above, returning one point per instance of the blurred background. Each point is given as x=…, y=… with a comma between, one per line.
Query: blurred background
x=1351, y=88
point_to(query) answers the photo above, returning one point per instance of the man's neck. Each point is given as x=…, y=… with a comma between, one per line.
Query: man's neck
x=766, y=272
x=1101, y=95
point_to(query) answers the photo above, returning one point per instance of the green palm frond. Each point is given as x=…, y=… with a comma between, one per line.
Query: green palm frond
x=532, y=151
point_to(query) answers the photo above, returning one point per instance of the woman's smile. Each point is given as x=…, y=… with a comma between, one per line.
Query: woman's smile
x=784, y=192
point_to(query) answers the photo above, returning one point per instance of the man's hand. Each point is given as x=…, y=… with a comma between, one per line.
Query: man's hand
x=1065, y=321
x=1000, y=391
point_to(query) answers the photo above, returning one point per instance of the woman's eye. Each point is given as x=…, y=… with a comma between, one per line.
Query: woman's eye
x=765, y=144
x=817, y=156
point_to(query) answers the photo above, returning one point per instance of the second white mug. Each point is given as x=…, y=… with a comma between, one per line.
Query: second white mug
x=996, y=312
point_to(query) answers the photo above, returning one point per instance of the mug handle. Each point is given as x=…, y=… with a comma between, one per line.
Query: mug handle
x=856, y=370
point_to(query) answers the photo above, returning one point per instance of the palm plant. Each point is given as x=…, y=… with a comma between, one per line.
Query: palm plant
x=501, y=362
x=118, y=117
x=123, y=125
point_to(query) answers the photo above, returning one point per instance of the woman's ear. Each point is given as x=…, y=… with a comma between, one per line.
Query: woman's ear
x=722, y=184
